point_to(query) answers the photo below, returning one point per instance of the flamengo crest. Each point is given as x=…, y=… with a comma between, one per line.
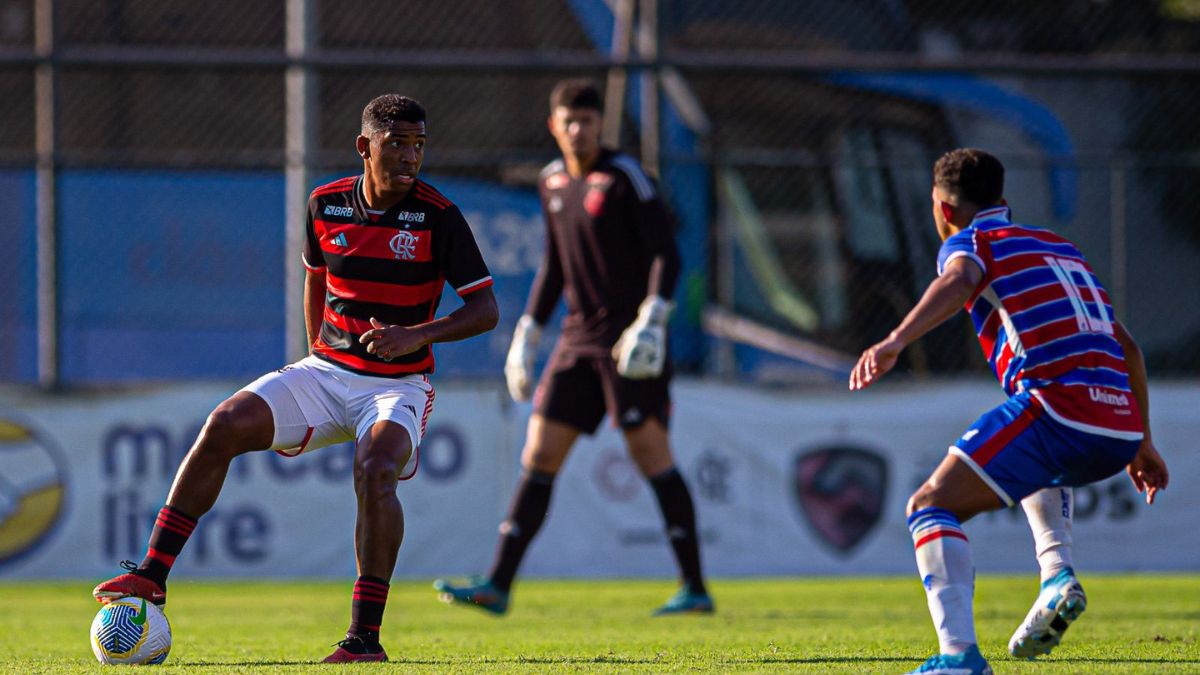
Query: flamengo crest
x=404, y=245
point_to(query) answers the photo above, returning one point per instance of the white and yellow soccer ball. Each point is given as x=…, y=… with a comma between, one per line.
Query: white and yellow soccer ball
x=131, y=631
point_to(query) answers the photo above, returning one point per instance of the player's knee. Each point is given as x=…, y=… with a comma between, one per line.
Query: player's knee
x=925, y=497
x=539, y=458
x=375, y=475
x=226, y=430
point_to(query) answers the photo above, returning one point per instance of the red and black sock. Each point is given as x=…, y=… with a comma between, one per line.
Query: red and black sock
x=171, y=531
x=525, y=517
x=366, y=612
x=679, y=512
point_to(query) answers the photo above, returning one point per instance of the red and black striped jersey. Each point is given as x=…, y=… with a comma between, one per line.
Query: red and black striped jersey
x=391, y=265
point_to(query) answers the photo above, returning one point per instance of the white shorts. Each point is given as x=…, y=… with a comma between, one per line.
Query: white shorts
x=315, y=403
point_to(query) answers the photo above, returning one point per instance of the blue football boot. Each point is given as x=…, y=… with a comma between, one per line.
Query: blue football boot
x=686, y=601
x=478, y=592
x=1059, y=603
x=970, y=662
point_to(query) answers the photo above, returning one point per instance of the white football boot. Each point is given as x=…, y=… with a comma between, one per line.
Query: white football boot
x=1060, y=602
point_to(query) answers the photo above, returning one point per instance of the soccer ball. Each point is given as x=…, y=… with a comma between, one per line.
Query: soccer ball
x=131, y=630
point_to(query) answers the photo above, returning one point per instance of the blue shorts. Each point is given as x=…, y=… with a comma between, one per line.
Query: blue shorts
x=1018, y=449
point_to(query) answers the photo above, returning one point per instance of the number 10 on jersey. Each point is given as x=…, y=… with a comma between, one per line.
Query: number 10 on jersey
x=1068, y=271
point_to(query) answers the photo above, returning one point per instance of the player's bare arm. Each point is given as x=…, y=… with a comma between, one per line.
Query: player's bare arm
x=479, y=314
x=942, y=300
x=1148, y=471
x=314, y=303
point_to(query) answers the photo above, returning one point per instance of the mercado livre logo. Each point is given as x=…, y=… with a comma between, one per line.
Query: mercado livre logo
x=33, y=489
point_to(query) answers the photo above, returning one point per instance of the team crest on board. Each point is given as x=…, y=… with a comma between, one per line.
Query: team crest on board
x=839, y=492
x=404, y=245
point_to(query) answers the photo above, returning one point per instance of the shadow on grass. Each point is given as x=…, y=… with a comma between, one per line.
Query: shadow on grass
x=550, y=660
x=1119, y=660
x=202, y=663
x=562, y=660
x=249, y=663
x=618, y=660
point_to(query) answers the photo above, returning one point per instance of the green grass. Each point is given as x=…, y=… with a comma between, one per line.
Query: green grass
x=1134, y=624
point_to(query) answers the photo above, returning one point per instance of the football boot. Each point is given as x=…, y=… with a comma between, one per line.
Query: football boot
x=478, y=592
x=1058, y=605
x=130, y=585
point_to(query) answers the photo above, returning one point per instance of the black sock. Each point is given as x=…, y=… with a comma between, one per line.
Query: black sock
x=675, y=502
x=525, y=516
x=366, y=642
x=171, y=530
x=366, y=610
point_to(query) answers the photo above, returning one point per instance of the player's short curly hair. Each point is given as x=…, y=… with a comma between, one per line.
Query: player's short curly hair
x=970, y=174
x=384, y=111
x=576, y=93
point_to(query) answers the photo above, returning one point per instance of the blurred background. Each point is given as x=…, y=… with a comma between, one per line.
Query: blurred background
x=155, y=157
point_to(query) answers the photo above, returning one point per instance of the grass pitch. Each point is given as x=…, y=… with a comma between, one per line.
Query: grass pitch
x=1134, y=624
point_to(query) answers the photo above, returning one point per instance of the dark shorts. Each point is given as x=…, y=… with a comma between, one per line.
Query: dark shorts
x=579, y=390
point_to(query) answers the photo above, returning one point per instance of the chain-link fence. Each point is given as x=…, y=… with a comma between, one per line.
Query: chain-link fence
x=145, y=149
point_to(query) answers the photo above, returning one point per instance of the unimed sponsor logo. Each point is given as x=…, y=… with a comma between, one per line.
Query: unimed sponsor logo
x=1100, y=396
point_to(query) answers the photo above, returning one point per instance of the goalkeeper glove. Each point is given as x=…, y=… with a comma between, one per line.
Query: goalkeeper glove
x=518, y=367
x=641, y=351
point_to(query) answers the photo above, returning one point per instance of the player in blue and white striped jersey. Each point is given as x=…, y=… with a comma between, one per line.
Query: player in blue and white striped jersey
x=1077, y=411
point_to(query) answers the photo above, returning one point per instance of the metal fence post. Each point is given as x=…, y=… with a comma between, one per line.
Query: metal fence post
x=300, y=90
x=1119, y=248
x=648, y=37
x=618, y=76
x=45, y=99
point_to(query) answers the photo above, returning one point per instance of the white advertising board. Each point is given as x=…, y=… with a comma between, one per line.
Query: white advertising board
x=817, y=484
x=783, y=483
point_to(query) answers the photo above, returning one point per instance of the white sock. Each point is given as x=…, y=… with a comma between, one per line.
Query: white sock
x=1049, y=512
x=944, y=563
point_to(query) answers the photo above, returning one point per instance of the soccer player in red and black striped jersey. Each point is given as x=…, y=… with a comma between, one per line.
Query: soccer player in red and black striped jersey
x=380, y=248
x=610, y=251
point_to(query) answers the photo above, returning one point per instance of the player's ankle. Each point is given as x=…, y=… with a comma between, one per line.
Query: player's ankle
x=364, y=634
x=146, y=574
x=362, y=640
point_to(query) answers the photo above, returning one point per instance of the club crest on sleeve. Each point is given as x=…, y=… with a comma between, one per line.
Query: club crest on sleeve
x=557, y=181
x=600, y=181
